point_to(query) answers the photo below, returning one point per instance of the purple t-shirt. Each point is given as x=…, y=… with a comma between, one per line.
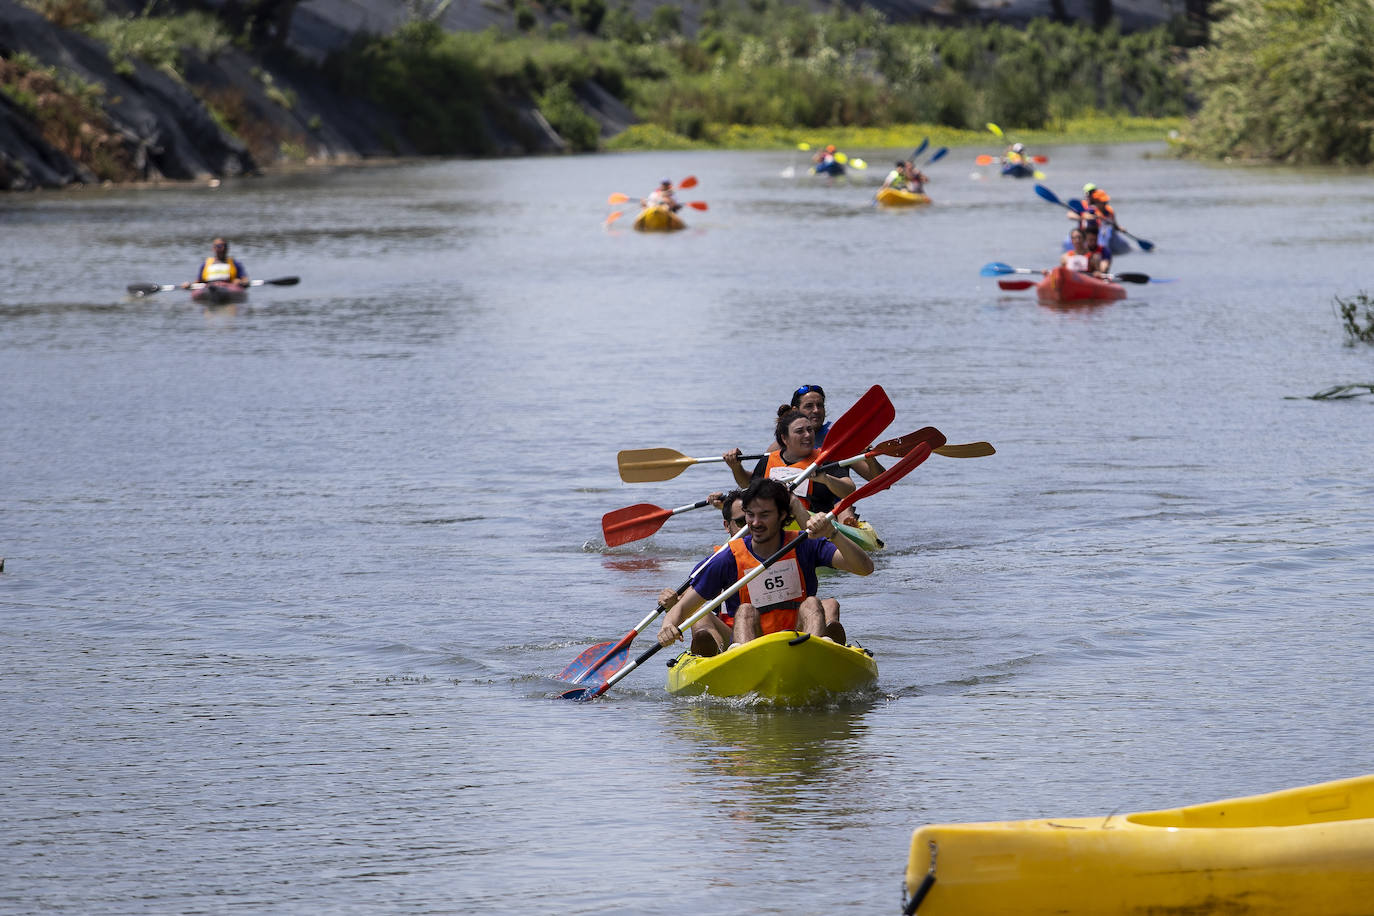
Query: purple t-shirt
x=721, y=571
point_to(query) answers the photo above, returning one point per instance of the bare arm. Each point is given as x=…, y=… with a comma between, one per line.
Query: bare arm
x=670, y=633
x=849, y=556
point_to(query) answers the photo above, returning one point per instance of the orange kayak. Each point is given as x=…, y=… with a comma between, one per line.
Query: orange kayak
x=1064, y=285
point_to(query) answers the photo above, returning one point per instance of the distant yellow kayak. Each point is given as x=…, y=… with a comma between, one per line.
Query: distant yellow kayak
x=1307, y=851
x=896, y=197
x=787, y=668
x=658, y=219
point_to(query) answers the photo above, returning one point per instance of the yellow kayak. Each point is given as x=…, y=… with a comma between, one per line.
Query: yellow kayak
x=1306, y=851
x=896, y=197
x=787, y=668
x=658, y=219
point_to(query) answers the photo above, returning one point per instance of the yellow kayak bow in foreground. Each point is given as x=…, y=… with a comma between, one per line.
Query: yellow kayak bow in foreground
x=1307, y=851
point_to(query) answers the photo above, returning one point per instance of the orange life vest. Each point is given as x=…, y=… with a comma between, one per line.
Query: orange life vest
x=781, y=471
x=778, y=593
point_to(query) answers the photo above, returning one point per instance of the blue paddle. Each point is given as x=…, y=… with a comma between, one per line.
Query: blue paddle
x=1077, y=207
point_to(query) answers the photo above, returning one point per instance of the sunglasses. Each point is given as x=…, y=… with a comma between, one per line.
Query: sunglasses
x=808, y=388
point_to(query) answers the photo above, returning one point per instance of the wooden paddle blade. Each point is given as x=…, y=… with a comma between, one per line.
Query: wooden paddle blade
x=633, y=523
x=902, y=445
x=597, y=663
x=698, y=205
x=967, y=450
x=646, y=465
x=1015, y=284
x=618, y=198
x=689, y=182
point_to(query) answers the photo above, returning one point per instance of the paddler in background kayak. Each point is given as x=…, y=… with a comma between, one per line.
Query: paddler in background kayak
x=219, y=267
x=662, y=196
x=1016, y=155
x=825, y=162
x=1097, y=206
x=711, y=634
x=905, y=177
x=1099, y=255
x=795, y=434
x=1084, y=255
x=785, y=599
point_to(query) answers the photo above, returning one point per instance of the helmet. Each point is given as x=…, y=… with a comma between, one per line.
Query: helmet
x=1089, y=188
x=1018, y=148
x=901, y=163
x=666, y=183
x=830, y=149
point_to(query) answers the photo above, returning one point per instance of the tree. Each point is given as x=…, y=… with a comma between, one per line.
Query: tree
x=1287, y=80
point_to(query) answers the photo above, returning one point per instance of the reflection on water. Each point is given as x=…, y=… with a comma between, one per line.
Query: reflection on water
x=765, y=764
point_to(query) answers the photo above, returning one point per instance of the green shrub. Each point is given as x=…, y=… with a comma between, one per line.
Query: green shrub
x=1287, y=80
x=565, y=114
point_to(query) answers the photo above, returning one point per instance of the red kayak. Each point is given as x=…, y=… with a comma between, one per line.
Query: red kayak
x=218, y=292
x=1064, y=285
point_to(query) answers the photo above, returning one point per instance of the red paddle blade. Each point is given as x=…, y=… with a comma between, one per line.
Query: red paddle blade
x=613, y=217
x=594, y=665
x=1015, y=284
x=983, y=160
x=698, y=205
x=885, y=479
x=633, y=523
x=689, y=182
x=859, y=425
x=1040, y=160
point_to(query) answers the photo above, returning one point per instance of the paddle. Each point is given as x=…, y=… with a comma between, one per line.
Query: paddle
x=147, y=289
x=651, y=465
x=920, y=148
x=876, y=485
x=996, y=130
x=859, y=424
x=1076, y=206
x=998, y=269
x=636, y=522
x=937, y=155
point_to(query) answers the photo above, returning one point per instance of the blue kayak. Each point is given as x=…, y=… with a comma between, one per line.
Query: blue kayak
x=833, y=169
x=1017, y=170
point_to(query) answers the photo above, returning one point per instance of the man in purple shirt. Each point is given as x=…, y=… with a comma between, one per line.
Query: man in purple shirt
x=784, y=596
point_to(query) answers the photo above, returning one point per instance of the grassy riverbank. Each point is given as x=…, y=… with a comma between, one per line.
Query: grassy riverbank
x=1086, y=129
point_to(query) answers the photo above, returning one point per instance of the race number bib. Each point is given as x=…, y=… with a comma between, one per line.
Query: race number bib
x=784, y=474
x=780, y=582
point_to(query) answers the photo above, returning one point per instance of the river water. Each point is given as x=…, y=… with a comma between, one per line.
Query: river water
x=286, y=585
